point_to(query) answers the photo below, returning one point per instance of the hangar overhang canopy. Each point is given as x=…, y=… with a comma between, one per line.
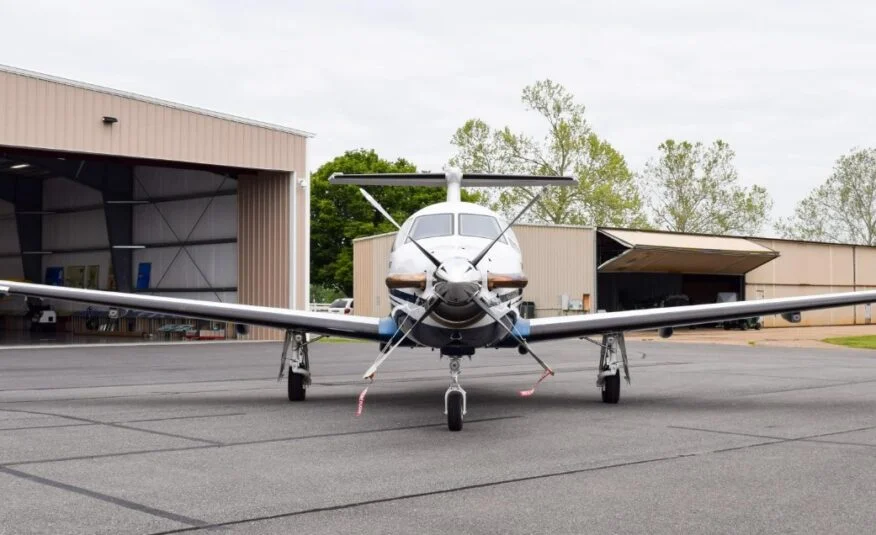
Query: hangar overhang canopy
x=660, y=252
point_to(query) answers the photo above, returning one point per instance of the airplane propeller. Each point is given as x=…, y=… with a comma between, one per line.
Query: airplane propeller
x=456, y=284
x=480, y=256
x=373, y=202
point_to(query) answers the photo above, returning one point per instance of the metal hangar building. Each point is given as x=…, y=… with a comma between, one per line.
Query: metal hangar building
x=116, y=191
x=580, y=270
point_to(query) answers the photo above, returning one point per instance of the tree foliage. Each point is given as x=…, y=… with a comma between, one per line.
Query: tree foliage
x=695, y=188
x=606, y=194
x=339, y=214
x=843, y=208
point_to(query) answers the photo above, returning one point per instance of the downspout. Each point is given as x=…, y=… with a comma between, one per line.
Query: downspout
x=293, y=252
x=306, y=186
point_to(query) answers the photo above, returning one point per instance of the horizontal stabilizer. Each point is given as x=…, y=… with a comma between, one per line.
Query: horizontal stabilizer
x=478, y=180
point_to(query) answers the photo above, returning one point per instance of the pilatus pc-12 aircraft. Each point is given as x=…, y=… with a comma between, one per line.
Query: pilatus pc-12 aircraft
x=456, y=282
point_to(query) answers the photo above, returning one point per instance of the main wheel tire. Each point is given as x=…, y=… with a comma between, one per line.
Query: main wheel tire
x=454, y=411
x=611, y=389
x=744, y=326
x=296, y=389
x=758, y=326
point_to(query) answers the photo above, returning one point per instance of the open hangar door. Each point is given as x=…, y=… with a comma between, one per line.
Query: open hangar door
x=640, y=269
x=113, y=224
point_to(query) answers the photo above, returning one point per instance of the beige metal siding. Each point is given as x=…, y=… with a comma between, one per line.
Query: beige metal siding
x=557, y=261
x=799, y=263
x=865, y=266
x=263, y=244
x=830, y=316
x=370, y=266
x=44, y=114
x=805, y=269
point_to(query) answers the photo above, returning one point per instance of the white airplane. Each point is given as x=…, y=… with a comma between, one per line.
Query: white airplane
x=456, y=282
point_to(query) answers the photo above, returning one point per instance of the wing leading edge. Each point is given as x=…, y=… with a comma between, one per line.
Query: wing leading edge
x=634, y=320
x=363, y=327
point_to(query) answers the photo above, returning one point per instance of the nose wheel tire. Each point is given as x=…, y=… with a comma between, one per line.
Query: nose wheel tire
x=611, y=389
x=296, y=389
x=454, y=411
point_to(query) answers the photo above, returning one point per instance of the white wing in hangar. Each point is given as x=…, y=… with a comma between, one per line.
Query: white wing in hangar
x=362, y=327
x=636, y=320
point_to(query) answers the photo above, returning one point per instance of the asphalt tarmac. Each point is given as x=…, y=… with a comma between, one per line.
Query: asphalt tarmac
x=200, y=437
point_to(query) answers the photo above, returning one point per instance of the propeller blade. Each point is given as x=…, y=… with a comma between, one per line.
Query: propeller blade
x=406, y=280
x=515, y=335
x=382, y=357
x=489, y=246
x=496, y=280
x=373, y=202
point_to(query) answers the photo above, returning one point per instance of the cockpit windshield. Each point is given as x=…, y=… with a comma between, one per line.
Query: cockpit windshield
x=431, y=226
x=481, y=226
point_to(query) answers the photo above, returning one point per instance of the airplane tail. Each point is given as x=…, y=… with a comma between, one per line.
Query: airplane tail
x=453, y=179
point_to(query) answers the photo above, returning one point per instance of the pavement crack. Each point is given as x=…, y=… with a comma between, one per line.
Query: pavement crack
x=808, y=438
x=803, y=388
x=121, y=502
x=719, y=432
x=461, y=488
x=117, y=426
x=213, y=444
x=181, y=418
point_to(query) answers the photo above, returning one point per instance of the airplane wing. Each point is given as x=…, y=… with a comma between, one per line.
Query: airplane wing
x=363, y=327
x=637, y=320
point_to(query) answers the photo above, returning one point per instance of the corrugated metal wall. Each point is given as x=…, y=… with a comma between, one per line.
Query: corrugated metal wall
x=557, y=260
x=271, y=214
x=43, y=114
x=370, y=266
x=811, y=269
x=265, y=241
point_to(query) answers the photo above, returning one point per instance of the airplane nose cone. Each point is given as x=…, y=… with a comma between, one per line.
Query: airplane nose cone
x=457, y=281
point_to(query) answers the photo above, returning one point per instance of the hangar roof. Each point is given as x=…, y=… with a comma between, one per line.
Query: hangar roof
x=45, y=112
x=662, y=252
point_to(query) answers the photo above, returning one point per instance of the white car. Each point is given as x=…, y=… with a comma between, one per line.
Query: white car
x=344, y=305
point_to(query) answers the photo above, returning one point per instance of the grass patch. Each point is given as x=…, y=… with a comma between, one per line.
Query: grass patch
x=857, y=342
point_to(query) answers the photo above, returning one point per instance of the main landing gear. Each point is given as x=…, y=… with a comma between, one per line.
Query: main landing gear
x=299, y=365
x=608, y=378
x=454, y=398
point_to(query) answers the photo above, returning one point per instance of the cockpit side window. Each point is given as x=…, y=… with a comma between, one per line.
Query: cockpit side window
x=432, y=226
x=481, y=226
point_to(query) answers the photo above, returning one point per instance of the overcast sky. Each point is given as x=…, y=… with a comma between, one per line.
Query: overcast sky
x=790, y=85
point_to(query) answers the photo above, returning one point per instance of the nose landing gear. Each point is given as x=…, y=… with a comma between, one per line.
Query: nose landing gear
x=454, y=398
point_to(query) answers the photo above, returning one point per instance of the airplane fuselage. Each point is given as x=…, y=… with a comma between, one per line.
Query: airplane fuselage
x=454, y=233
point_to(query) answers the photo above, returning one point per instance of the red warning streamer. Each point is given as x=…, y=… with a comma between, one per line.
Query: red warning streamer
x=531, y=391
x=361, y=406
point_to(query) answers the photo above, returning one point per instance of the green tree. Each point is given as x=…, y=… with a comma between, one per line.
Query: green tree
x=606, y=194
x=843, y=208
x=694, y=188
x=339, y=214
